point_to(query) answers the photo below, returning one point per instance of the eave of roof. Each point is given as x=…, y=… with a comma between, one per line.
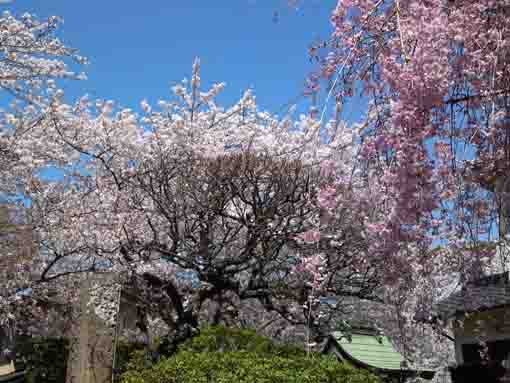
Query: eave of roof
x=376, y=353
x=474, y=298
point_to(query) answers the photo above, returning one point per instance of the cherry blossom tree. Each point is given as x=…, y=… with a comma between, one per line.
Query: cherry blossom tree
x=433, y=143
x=228, y=197
x=435, y=75
x=32, y=59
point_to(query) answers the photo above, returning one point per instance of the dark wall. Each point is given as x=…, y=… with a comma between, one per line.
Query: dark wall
x=478, y=373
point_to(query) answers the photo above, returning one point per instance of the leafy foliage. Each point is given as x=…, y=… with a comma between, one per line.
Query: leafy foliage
x=126, y=354
x=220, y=354
x=243, y=366
x=45, y=359
x=220, y=338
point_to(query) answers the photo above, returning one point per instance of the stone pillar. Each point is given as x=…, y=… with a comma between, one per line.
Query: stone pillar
x=91, y=354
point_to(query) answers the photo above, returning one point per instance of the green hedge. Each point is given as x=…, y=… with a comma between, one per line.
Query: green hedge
x=222, y=355
x=125, y=353
x=219, y=338
x=44, y=359
x=247, y=367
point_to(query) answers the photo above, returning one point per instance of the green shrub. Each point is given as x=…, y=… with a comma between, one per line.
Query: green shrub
x=44, y=359
x=219, y=338
x=221, y=355
x=128, y=356
x=247, y=367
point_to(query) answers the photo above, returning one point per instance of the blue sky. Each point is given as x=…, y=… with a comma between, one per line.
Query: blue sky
x=139, y=49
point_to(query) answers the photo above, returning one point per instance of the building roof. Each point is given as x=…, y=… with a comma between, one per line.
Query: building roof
x=369, y=350
x=486, y=293
x=365, y=349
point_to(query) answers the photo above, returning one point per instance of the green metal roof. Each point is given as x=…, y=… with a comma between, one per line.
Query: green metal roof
x=376, y=352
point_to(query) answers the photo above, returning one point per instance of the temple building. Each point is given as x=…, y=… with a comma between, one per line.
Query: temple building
x=479, y=315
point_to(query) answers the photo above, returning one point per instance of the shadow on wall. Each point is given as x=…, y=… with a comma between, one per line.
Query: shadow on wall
x=491, y=372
